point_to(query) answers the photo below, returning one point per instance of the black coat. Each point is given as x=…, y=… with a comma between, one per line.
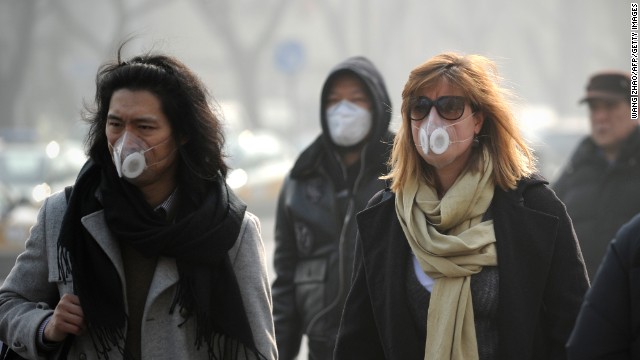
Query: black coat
x=608, y=326
x=542, y=280
x=600, y=197
x=316, y=227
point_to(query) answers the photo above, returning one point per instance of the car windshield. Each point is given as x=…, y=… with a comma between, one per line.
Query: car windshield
x=22, y=166
x=249, y=150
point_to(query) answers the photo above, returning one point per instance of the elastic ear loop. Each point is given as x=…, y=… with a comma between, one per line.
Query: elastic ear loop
x=438, y=142
x=130, y=164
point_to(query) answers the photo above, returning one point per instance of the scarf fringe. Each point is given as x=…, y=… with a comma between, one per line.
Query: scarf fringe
x=219, y=346
x=224, y=347
x=104, y=340
x=64, y=263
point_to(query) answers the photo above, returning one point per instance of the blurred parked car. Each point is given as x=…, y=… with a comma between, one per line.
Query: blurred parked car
x=33, y=171
x=16, y=221
x=6, y=204
x=16, y=226
x=29, y=173
x=258, y=162
x=8, y=250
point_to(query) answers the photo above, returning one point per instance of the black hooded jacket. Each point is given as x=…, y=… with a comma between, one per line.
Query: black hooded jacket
x=316, y=225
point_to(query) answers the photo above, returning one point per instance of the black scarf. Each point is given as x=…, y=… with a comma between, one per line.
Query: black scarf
x=198, y=239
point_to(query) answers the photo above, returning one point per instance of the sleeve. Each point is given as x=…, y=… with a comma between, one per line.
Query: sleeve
x=603, y=329
x=287, y=320
x=250, y=266
x=567, y=280
x=358, y=336
x=27, y=297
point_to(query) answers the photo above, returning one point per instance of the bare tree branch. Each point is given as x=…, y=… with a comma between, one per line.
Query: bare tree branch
x=242, y=59
x=75, y=27
x=13, y=76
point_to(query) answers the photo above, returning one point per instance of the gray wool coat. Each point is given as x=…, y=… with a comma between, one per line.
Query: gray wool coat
x=33, y=287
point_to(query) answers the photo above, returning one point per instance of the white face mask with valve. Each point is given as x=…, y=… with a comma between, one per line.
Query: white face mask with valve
x=435, y=134
x=348, y=123
x=128, y=155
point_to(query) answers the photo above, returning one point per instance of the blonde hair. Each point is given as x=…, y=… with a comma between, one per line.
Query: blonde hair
x=477, y=77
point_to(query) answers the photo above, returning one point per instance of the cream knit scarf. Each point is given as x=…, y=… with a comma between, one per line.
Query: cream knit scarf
x=451, y=244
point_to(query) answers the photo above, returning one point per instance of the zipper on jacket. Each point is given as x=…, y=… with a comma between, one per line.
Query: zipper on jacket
x=341, y=260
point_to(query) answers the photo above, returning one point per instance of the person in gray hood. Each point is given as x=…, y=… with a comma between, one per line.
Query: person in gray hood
x=315, y=226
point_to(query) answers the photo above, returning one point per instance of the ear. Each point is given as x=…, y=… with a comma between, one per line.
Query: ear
x=479, y=121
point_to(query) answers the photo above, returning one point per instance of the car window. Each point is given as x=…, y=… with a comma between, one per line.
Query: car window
x=22, y=166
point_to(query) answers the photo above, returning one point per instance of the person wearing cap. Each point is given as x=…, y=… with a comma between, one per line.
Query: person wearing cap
x=600, y=185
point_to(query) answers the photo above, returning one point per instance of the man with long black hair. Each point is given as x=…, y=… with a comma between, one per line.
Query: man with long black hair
x=153, y=256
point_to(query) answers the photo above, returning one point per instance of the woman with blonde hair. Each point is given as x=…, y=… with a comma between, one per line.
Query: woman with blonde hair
x=468, y=254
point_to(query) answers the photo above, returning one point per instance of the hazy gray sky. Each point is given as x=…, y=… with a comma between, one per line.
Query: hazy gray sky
x=269, y=58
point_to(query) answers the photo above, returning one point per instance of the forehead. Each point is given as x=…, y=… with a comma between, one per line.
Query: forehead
x=346, y=82
x=131, y=99
x=137, y=105
x=606, y=101
x=440, y=88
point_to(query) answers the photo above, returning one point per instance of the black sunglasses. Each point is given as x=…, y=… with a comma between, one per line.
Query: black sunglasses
x=449, y=107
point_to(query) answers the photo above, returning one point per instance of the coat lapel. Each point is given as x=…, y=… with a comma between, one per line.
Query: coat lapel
x=166, y=275
x=97, y=226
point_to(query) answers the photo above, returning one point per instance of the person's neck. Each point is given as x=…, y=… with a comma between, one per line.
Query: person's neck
x=350, y=158
x=156, y=193
x=447, y=176
x=444, y=181
x=611, y=154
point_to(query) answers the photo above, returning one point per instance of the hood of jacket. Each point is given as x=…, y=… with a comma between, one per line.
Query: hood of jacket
x=378, y=145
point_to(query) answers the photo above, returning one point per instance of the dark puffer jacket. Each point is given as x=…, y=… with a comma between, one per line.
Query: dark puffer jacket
x=316, y=225
x=600, y=197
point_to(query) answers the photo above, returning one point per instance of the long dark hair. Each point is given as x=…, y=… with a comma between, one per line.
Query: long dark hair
x=186, y=102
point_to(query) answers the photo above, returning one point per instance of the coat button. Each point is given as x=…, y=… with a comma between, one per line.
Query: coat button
x=83, y=356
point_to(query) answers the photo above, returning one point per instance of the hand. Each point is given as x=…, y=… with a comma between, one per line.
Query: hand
x=67, y=318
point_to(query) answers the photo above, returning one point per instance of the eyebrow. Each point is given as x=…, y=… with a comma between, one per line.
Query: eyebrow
x=111, y=116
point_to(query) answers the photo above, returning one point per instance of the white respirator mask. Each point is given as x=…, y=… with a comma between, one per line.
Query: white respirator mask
x=435, y=134
x=128, y=155
x=348, y=123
